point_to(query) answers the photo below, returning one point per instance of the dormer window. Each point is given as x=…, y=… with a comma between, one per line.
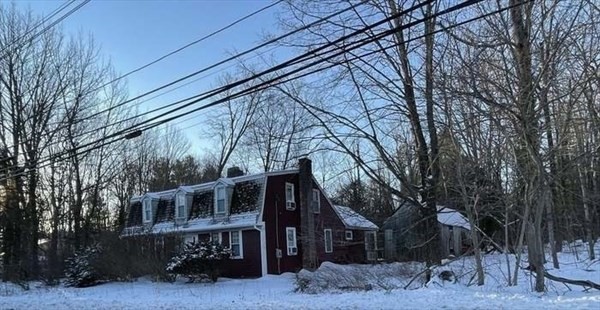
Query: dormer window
x=180, y=208
x=290, y=202
x=147, y=210
x=220, y=207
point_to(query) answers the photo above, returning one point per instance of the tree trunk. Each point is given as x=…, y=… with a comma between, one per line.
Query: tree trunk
x=528, y=150
x=475, y=238
x=428, y=228
x=586, y=213
x=507, y=244
x=53, y=266
x=552, y=159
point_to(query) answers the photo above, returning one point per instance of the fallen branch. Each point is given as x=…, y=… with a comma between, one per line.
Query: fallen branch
x=584, y=283
x=437, y=266
x=415, y=277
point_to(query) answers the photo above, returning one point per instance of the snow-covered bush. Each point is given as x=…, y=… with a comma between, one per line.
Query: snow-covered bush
x=80, y=271
x=333, y=277
x=198, y=260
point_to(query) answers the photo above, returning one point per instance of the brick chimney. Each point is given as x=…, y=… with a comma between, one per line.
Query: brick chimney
x=307, y=218
x=234, y=171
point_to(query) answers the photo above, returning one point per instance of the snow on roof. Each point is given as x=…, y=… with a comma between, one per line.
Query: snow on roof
x=209, y=224
x=226, y=181
x=352, y=219
x=153, y=195
x=452, y=217
x=185, y=188
x=235, y=221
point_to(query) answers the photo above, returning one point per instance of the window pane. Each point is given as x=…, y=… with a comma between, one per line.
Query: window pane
x=235, y=237
x=289, y=192
x=328, y=241
x=235, y=250
x=291, y=237
x=203, y=237
x=221, y=205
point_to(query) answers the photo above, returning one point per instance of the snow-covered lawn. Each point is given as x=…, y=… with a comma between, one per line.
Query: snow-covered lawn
x=278, y=291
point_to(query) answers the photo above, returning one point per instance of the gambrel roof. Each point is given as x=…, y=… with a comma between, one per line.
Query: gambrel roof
x=245, y=196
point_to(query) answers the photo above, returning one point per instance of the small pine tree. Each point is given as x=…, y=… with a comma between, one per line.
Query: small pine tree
x=80, y=271
x=198, y=260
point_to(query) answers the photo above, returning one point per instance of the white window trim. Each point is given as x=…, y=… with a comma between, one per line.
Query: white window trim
x=290, y=202
x=330, y=243
x=219, y=187
x=241, y=243
x=318, y=209
x=178, y=197
x=349, y=235
x=146, y=204
x=287, y=240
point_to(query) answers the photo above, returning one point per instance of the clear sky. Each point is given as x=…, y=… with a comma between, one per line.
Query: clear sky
x=132, y=33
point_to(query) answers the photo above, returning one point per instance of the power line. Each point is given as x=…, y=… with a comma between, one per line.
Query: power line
x=267, y=84
x=234, y=57
x=133, y=130
x=41, y=22
x=205, y=69
x=222, y=29
x=54, y=23
x=94, y=130
x=314, y=53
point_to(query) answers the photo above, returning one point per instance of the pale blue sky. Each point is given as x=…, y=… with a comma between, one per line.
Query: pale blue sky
x=133, y=33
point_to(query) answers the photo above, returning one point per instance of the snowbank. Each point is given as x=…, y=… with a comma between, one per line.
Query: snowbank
x=331, y=277
x=278, y=291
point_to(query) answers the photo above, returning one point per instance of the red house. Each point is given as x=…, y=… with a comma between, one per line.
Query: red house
x=273, y=222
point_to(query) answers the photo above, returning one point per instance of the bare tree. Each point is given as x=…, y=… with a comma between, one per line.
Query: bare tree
x=375, y=98
x=229, y=124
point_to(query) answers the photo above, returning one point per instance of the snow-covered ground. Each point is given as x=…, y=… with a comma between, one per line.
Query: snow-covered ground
x=278, y=291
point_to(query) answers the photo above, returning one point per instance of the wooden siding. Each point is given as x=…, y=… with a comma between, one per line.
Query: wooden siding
x=328, y=219
x=402, y=236
x=353, y=251
x=276, y=219
x=250, y=265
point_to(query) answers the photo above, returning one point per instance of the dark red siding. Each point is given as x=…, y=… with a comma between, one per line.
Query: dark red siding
x=355, y=248
x=277, y=218
x=328, y=219
x=250, y=265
